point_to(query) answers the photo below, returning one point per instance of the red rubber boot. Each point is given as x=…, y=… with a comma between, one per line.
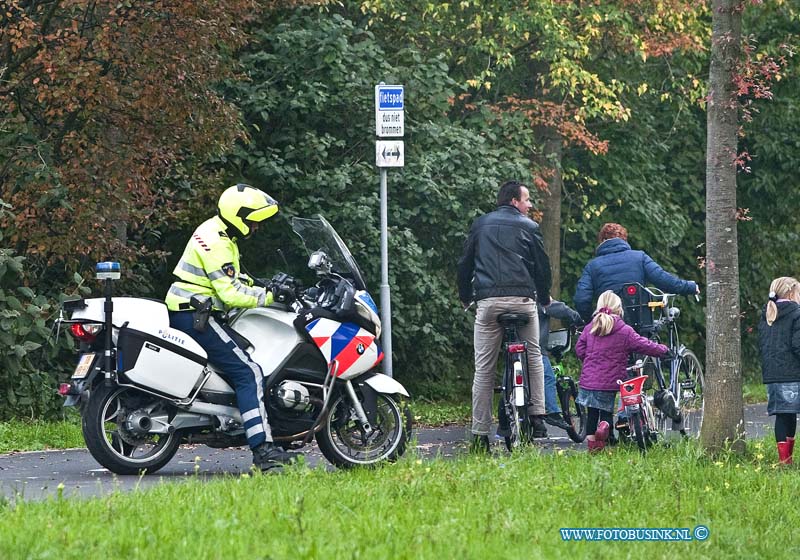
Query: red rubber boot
x=595, y=445
x=784, y=453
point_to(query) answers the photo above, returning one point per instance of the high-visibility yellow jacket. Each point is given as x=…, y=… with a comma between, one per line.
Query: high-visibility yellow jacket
x=210, y=267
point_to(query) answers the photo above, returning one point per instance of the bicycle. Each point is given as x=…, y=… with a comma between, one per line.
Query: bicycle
x=678, y=401
x=558, y=343
x=515, y=389
x=638, y=408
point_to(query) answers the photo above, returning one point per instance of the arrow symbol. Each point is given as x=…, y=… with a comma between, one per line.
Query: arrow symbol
x=391, y=152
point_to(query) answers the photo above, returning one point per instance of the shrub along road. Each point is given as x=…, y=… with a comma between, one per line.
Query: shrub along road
x=38, y=474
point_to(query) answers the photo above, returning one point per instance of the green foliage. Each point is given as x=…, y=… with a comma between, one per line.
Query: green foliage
x=651, y=180
x=309, y=105
x=769, y=233
x=97, y=102
x=29, y=381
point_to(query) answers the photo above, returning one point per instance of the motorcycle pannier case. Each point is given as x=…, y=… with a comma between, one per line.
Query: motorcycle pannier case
x=169, y=362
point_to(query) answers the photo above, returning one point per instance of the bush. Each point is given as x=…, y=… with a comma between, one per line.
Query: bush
x=28, y=378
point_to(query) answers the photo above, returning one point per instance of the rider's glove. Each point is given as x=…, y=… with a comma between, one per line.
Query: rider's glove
x=284, y=295
x=669, y=356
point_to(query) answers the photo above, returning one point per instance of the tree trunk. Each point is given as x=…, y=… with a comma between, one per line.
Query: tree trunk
x=724, y=420
x=551, y=200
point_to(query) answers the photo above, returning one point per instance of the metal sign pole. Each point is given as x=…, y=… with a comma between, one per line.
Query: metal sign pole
x=386, y=303
x=389, y=123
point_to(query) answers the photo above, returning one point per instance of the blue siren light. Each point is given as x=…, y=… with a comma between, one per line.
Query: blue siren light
x=107, y=266
x=107, y=270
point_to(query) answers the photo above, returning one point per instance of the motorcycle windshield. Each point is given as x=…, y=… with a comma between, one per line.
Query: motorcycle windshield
x=318, y=235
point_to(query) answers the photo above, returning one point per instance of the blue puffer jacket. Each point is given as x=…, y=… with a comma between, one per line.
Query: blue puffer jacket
x=615, y=265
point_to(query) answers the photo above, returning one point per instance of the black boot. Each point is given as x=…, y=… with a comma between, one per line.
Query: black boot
x=268, y=456
x=538, y=429
x=557, y=420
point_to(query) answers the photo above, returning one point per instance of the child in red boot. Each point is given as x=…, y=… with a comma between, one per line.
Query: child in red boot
x=779, y=342
x=603, y=347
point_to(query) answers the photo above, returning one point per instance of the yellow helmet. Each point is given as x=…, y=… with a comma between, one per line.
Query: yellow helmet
x=240, y=204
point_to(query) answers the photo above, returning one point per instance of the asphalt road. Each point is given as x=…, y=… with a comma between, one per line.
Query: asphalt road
x=37, y=475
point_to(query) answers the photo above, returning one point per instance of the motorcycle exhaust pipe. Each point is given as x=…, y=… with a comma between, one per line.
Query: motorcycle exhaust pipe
x=215, y=410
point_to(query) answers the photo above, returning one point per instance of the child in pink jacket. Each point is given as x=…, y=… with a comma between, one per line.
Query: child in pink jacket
x=604, y=347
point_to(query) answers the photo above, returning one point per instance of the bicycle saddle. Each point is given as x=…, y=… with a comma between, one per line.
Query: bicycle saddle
x=513, y=319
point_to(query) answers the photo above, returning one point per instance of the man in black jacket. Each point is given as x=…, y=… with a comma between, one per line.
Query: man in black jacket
x=504, y=269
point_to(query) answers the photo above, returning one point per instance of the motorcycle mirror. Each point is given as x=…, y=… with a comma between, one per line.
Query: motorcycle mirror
x=283, y=258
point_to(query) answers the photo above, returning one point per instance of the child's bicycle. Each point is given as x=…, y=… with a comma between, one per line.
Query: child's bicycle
x=558, y=343
x=638, y=408
x=515, y=390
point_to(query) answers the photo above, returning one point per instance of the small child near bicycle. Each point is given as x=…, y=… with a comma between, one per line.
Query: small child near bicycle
x=779, y=342
x=603, y=347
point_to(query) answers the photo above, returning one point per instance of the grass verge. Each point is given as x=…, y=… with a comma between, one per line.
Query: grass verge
x=470, y=507
x=433, y=414
x=22, y=435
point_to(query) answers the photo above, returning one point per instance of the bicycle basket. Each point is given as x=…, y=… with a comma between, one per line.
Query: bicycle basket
x=636, y=311
x=558, y=342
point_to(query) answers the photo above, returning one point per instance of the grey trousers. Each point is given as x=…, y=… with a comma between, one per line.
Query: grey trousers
x=488, y=338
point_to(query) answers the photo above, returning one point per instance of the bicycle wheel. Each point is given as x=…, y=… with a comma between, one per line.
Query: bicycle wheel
x=573, y=413
x=661, y=421
x=519, y=427
x=640, y=430
x=690, y=392
x=519, y=424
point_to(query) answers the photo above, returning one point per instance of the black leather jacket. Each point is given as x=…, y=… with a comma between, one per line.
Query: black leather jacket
x=504, y=256
x=780, y=344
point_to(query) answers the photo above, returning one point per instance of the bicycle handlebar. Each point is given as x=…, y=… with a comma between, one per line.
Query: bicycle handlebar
x=639, y=365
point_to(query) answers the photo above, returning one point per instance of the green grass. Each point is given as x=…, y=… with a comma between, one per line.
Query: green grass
x=471, y=507
x=427, y=413
x=754, y=392
x=21, y=435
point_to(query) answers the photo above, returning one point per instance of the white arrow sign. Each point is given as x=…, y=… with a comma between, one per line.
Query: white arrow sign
x=389, y=153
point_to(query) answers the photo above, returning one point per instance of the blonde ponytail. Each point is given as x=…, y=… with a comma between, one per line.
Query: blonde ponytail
x=784, y=287
x=608, y=305
x=772, y=312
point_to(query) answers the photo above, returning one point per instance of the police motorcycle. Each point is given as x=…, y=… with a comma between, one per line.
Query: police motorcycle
x=144, y=388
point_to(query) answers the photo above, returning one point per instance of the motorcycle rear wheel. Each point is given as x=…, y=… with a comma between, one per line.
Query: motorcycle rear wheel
x=344, y=444
x=106, y=439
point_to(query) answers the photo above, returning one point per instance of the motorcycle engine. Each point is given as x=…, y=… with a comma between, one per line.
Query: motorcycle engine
x=292, y=396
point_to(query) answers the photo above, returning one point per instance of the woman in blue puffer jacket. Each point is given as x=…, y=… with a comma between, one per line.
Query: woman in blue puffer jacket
x=616, y=264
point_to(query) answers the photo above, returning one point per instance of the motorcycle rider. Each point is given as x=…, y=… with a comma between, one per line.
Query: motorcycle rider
x=209, y=268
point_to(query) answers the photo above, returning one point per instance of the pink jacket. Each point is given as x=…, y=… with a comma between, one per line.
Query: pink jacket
x=606, y=357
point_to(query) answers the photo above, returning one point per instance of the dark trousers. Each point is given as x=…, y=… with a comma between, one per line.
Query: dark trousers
x=246, y=375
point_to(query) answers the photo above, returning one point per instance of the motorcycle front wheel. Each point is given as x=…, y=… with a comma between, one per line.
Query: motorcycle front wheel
x=113, y=444
x=344, y=443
